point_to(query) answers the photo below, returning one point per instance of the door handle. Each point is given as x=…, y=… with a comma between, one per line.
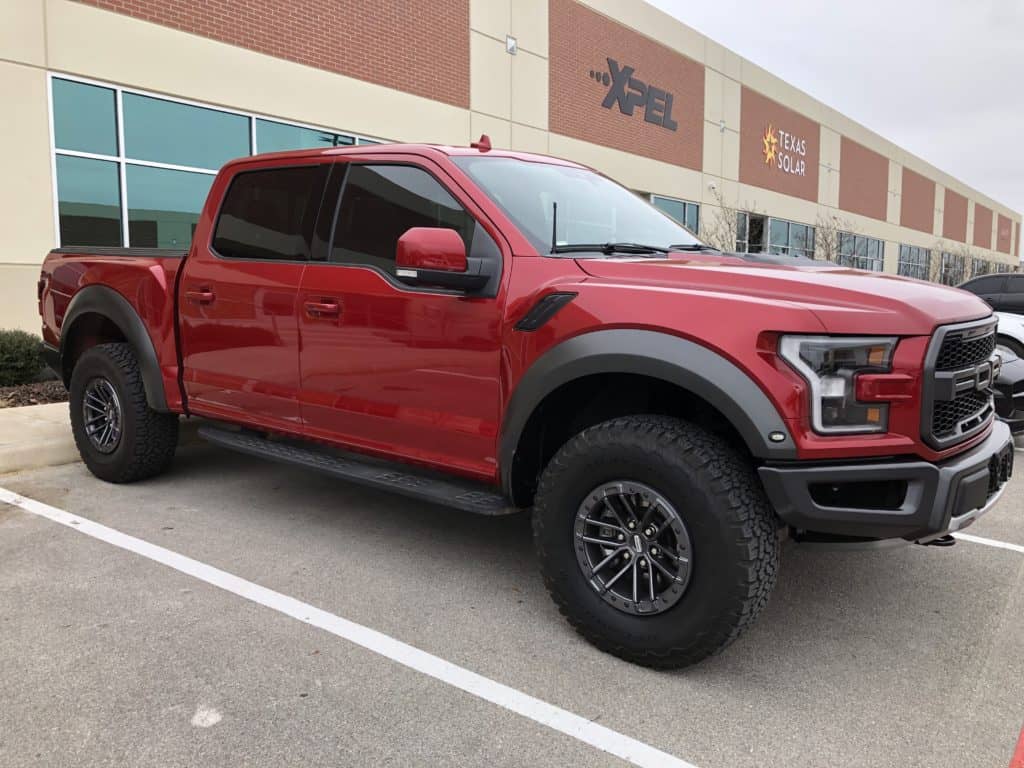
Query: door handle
x=200, y=297
x=322, y=309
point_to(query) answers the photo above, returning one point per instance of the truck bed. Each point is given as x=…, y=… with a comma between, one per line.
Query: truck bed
x=143, y=277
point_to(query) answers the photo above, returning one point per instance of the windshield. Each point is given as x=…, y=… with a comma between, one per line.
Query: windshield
x=591, y=208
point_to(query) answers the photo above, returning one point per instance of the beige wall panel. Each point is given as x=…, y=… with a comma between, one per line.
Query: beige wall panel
x=760, y=200
x=527, y=139
x=721, y=59
x=530, y=25
x=648, y=20
x=530, y=89
x=731, y=155
x=26, y=193
x=108, y=46
x=18, y=307
x=492, y=17
x=731, y=104
x=500, y=131
x=713, y=147
x=635, y=172
x=892, y=208
x=490, y=73
x=714, y=96
x=21, y=31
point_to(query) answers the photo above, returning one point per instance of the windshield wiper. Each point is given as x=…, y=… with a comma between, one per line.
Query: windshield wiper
x=608, y=248
x=693, y=247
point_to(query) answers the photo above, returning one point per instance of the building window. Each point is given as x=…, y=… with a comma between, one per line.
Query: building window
x=953, y=268
x=783, y=237
x=980, y=266
x=1001, y=268
x=134, y=169
x=750, y=229
x=914, y=262
x=861, y=252
x=683, y=211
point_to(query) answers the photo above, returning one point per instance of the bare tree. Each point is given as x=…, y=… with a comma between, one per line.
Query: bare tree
x=827, y=229
x=955, y=270
x=719, y=229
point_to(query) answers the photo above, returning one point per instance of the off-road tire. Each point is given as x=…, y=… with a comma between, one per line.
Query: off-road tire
x=720, y=500
x=148, y=438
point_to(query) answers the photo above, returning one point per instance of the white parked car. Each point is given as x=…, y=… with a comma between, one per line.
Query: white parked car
x=1010, y=333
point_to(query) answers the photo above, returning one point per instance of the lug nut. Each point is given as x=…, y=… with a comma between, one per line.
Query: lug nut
x=643, y=563
x=626, y=555
x=621, y=537
x=631, y=525
x=649, y=531
x=654, y=551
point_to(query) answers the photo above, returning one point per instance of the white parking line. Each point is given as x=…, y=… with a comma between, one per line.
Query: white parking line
x=605, y=739
x=990, y=542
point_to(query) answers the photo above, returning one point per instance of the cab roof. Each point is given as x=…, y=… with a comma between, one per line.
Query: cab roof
x=425, y=150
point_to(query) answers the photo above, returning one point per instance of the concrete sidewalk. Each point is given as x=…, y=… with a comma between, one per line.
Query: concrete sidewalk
x=35, y=436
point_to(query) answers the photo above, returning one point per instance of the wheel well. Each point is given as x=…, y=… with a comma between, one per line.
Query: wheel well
x=590, y=400
x=88, y=330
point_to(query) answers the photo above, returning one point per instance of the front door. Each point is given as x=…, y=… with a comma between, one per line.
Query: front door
x=407, y=372
x=238, y=295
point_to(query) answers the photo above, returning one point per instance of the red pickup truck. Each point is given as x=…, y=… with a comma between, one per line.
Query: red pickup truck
x=497, y=331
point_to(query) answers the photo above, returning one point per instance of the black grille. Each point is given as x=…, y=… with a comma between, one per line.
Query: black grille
x=957, y=353
x=953, y=408
x=948, y=415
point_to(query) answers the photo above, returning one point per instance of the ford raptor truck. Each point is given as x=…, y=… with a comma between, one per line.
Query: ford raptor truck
x=498, y=331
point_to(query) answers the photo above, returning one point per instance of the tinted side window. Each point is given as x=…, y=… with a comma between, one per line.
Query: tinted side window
x=269, y=214
x=985, y=285
x=381, y=202
x=1016, y=284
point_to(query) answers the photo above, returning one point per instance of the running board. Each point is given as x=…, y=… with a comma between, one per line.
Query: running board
x=397, y=478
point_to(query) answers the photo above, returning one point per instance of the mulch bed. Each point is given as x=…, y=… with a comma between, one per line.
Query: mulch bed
x=33, y=394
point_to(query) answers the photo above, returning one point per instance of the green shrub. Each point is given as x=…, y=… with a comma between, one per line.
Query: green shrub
x=20, y=358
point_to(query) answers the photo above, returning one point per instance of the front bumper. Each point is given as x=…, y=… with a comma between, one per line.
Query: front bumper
x=914, y=500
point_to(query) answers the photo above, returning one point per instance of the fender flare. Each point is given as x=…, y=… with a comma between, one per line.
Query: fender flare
x=104, y=301
x=658, y=355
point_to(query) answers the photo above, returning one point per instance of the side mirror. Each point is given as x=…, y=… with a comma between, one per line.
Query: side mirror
x=437, y=256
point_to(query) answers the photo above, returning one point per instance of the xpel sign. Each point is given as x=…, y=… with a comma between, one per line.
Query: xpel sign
x=629, y=93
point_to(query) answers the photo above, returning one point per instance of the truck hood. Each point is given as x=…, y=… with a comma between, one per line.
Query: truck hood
x=844, y=300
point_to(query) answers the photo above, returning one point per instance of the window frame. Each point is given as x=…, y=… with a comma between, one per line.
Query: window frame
x=341, y=167
x=852, y=258
x=317, y=213
x=123, y=161
x=687, y=205
x=927, y=263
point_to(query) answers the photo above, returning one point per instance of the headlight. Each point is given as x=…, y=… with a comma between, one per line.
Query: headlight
x=830, y=365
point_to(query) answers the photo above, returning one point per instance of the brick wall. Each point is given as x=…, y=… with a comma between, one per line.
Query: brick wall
x=982, y=226
x=863, y=180
x=767, y=124
x=1004, y=233
x=581, y=42
x=954, y=217
x=917, y=202
x=417, y=46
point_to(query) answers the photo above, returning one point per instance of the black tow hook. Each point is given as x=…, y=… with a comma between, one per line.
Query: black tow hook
x=942, y=541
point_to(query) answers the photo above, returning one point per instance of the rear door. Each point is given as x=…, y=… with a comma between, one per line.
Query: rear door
x=406, y=371
x=238, y=294
x=990, y=288
x=1013, y=298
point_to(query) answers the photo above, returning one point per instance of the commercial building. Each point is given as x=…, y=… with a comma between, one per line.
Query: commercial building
x=117, y=113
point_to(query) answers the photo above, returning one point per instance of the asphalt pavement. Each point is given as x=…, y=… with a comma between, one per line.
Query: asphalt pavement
x=905, y=657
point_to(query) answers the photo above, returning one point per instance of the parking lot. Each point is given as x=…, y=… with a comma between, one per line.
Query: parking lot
x=905, y=657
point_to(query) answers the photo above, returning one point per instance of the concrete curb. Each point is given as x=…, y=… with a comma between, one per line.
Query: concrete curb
x=36, y=436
